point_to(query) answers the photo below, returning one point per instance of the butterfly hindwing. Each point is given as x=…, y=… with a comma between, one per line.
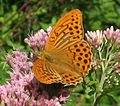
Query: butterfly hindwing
x=71, y=78
x=68, y=74
x=45, y=73
x=81, y=56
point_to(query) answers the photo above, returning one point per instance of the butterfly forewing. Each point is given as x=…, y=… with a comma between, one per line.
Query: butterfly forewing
x=66, y=31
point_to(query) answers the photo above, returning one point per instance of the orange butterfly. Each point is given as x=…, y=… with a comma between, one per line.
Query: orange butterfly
x=67, y=56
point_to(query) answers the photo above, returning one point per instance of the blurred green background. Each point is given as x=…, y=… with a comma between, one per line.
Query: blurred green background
x=19, y=17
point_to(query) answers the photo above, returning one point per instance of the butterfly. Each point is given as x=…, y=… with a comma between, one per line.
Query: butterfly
x=67, y=56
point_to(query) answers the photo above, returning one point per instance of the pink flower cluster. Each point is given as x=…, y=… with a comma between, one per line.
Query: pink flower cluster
x=95, y=38
x=19, y=61
x=13, y=93
x=39, y=39
x=113, y=35
x=23, y=89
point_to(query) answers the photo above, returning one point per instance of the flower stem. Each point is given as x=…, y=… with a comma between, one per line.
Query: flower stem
x=103, y=73
x=104, y=66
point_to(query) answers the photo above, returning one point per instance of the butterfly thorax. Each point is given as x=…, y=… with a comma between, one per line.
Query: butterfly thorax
x=44, y=56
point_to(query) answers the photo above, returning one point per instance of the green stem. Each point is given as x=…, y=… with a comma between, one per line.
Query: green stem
x=95, y=97
x=103, y=73
x=104, y=66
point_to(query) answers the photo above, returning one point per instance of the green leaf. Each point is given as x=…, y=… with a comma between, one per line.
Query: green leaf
x=92, y=83
x=112, y=99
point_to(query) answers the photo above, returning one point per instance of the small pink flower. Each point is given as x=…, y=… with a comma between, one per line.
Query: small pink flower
x=52, y=102
x=39, y=39
x=118, y=55
x=49, y=29
x=118, y=71
x=118, y=68
x=63, y=98
x=19, y=61
x=96, y=63
x=112, y=34
x=94, y=38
